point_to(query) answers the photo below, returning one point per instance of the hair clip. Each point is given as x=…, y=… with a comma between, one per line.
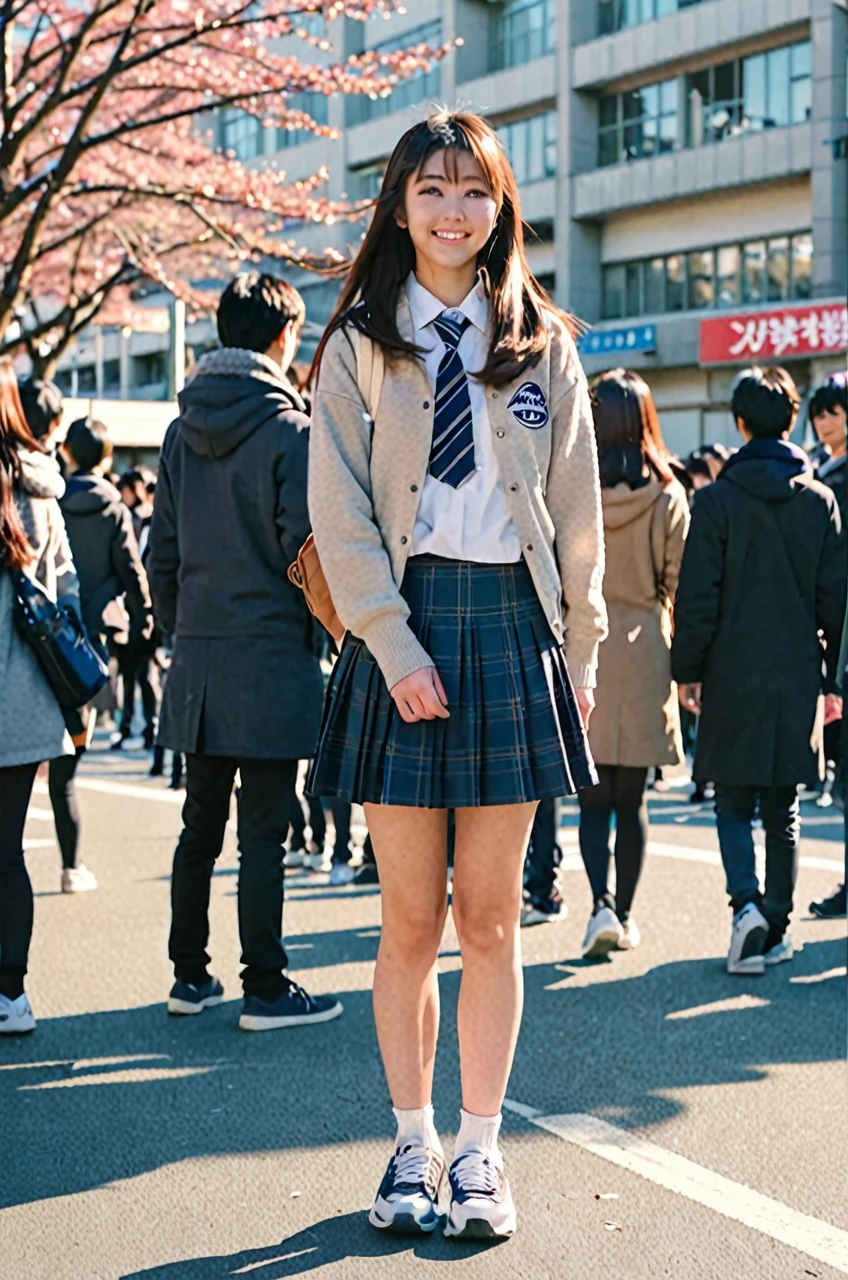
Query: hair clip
x=444, y=129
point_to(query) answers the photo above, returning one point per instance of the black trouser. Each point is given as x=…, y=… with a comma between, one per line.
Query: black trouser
x=263, y=818
x=134, y=669
x=16, y=784
x=297, y=819
x=780, y=811
x=620, y=791
x=63, y=797
x=543, y=854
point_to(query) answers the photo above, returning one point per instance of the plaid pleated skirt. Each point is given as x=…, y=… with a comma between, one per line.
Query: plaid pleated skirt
x=514, y=733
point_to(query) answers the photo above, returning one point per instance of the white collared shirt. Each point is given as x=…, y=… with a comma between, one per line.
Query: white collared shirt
x=472, y=522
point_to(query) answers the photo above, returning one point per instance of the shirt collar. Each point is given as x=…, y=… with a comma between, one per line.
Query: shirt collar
x=426, y=308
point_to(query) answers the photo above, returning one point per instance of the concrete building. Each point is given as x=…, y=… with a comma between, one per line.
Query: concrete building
x=682, y=163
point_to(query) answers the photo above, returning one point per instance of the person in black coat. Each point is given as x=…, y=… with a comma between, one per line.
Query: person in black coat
x=244, y=689
x=114, y=600
x=763, y=572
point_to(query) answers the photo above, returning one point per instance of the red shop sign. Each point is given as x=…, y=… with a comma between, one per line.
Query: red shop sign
x=770, y=335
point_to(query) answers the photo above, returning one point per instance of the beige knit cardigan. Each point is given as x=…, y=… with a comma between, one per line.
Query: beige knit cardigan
x=365, y=482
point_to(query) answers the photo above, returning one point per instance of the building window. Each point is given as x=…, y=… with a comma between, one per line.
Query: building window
x=531, y=146
x=642, y=122
x=521, y=30
x=766, y=91
x=775, y=270
x=615, y=15
x=316, y=105
x=368, y=181
x=241, y=133
x=420, y=87
x=111, y=376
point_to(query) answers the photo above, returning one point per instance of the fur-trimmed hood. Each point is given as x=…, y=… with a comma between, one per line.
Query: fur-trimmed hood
x=231, y=394
x=40, y=476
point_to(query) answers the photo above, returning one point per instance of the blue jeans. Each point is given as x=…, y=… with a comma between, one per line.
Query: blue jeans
x=780, y=811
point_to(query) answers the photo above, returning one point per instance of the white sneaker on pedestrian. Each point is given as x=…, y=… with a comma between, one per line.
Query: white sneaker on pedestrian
x=783, y=950
x=603, y=933
x=410, y=1199
x=78, y=880
x=321, y=861
x=16, y=1016
x=294, y=857
x=750, y=930
x=631, y=937
x=341, y=873
x=481, y=1206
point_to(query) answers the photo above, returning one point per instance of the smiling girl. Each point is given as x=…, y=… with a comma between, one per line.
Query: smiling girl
x=460, y=534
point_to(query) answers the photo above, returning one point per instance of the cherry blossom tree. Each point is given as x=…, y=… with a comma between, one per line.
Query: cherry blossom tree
x=108, y=171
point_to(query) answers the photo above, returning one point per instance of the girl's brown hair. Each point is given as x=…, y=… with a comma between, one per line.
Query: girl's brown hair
x=370, y=296
x=627, y=430
x=15, y=550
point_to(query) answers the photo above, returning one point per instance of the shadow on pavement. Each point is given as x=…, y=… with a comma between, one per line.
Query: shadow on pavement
x=333, y=1240
x=108, y=1096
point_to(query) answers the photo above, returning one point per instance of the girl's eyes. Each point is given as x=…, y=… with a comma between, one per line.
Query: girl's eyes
x=437, y=191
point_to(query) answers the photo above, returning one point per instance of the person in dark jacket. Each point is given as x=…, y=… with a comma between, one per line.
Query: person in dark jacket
x=114, y=599
x=763, y=572
x=244, y=689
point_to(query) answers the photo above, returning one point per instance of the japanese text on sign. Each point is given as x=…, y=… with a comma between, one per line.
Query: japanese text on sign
x=798, y=331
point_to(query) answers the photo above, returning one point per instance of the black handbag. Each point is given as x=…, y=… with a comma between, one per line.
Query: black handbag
x=73, y=666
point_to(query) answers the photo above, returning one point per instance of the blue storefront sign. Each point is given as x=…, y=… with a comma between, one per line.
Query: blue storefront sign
x=601, y=342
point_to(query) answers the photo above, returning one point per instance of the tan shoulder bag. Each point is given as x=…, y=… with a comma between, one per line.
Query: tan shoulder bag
x=306, y=572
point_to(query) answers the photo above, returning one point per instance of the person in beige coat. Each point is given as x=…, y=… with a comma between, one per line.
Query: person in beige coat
x=636, y=723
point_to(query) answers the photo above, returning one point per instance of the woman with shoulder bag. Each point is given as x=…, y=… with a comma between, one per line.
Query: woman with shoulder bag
x=636, y=723
x=32, y=725
x=457, y=533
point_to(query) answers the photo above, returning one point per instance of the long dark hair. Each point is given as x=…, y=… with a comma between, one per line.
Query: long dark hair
x=387, y=256
x=15, y=549
x=627, y=430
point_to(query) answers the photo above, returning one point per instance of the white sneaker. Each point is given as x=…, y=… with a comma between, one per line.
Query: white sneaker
x=322, y=861
x=481, y=1206
x=783, y=950
x=631, y=937
x=603, y=934
x=531, y=915
x=294, y=857
x=16, y=1016
x=750, y=930
x=411, y=1196
x=78, y=880
x=341, y=873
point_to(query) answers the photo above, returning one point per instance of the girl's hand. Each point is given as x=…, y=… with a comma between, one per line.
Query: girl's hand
x=585, y=703
x=421, y=696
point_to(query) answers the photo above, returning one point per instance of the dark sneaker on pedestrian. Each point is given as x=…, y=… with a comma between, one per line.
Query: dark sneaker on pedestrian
x=294, y=1008
x=186, y=998
x=832, y=908
x=750, y=932
x=481, y=1206
x=413, y=1192
x=366, y=874
x=779, y=950
x=537, y=911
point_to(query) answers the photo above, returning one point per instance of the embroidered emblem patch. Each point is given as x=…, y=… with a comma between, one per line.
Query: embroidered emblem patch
x=529, y=406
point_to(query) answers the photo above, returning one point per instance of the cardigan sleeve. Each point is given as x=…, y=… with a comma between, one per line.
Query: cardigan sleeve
x=350, y=545
x=573, y=500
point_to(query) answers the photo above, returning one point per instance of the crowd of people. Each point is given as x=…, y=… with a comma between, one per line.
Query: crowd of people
x=537, y=599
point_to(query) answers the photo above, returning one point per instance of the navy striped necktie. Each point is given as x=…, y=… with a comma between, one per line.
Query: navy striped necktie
x=452, y=452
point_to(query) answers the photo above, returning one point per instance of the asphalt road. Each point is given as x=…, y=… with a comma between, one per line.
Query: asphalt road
x=666, y=1119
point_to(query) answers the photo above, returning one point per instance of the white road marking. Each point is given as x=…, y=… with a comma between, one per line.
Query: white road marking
x=805, y=979
x=631, y=1151
x=39, y=815
x=131, y=790
x=40, y=844
x=731, y=1005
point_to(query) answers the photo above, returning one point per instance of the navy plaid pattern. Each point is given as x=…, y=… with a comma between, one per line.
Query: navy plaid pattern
x=452, y=454
x=514, y=733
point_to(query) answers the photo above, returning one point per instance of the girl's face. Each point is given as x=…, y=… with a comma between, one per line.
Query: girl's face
x=830, y=428
x=448, y=220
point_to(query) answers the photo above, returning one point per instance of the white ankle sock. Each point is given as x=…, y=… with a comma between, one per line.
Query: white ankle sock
x=478, y=1131
x=417, y=1124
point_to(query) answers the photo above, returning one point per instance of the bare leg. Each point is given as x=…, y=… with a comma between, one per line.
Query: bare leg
x=410, y=846
x=491, y=844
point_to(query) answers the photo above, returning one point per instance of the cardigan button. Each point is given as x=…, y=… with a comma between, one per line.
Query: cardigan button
x=413, y=488
x=426, y=404
x=404, y=541
x=529, y=546
x=513, y=488
x=494, y=395
x=500, y=434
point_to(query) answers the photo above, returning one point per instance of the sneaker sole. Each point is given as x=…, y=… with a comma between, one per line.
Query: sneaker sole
x=828, y=915
x=86, y=888
x=781, y=959
x=186, y=1008
x=753, y=966
x=478, y=1229
x=602, y=944
x=404, y=1224
x=23, y=1027
x=250, y=1022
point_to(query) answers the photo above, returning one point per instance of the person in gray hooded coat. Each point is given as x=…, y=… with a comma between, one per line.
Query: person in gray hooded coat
x=32, y=725
x=244, y=689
